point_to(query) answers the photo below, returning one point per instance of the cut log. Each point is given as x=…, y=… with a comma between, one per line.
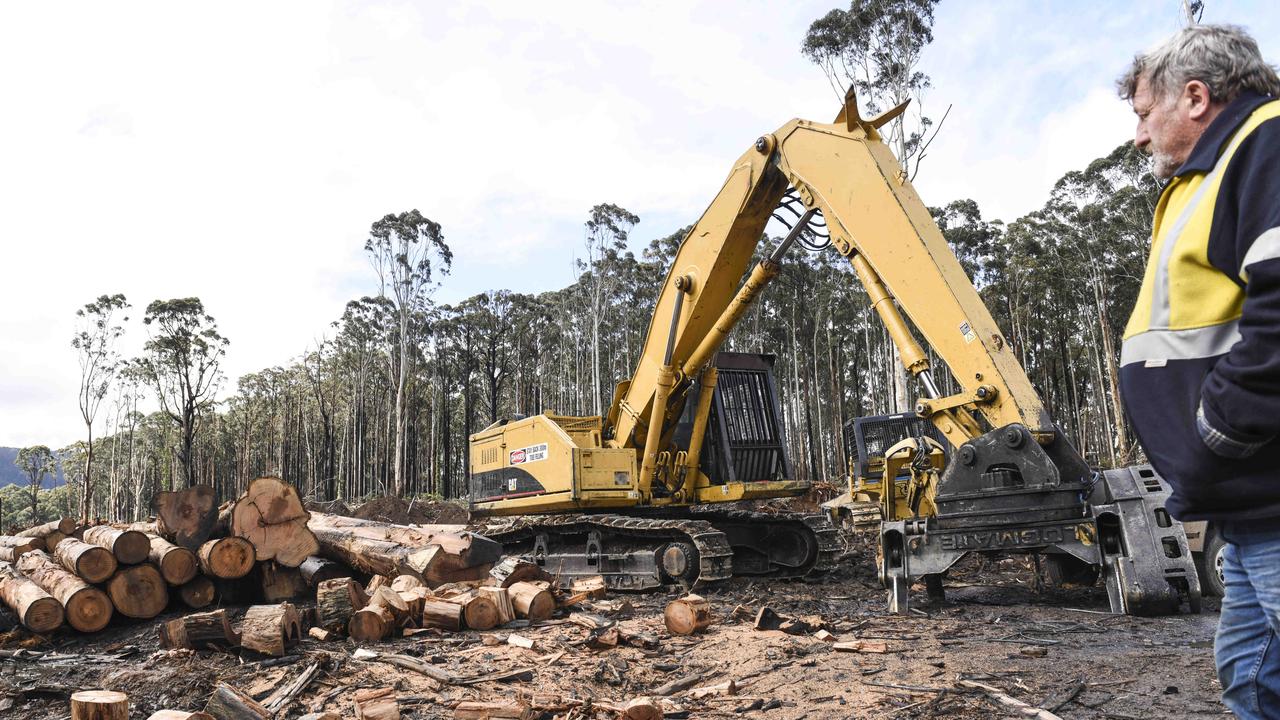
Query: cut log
x=64, y=527
x=371, y=623
x=862, y=646
x=37, y=610
x=480, y=612
x=138, y=591
x=413, y=599
x=99, y=705
x=185, y=516
x=12, y=548
x=391, y=600
x=464, y=556
x=593, y=588
x=316, y=570
x=271, y=629
x=512, y=570
x=688, y=615
x=87, y=608
x=280, y=582
x=498, y=596
x=374, y=557
x=376, y=704
x=129, y=546
x=406, y=582
x=642, y=709
x=179, y=715
x=376, y=582
x=228, y=703
x=199, y=631
x=270, y=515
x=227, y=558
x=441, y=614
x=491, y=710
x=531, y=601
x=91, y=562
x=177, y=565
x=336, y=601
x=198, y=593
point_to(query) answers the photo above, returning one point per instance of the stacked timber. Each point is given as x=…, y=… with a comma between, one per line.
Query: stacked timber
x=177, y=565
x=13, y=547
x=51, y=532
x=228, y=558
x=270, y=515
x=93, y=563
x=138, y=591
x=87, y=608
x=36, y=609
x=129, y=546
x=437, y=554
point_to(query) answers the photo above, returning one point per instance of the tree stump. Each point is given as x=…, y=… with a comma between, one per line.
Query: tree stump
x=93, y=563
x=185, y=516
x=198, y=593
x=270, y=515
x=199, y=631
x=138, y=591
x=227, y=558
x=531, y=601
x=129, y=546
x=99, y=705
x=501, y=601
x=271, y=629
x=228, y=703
x=688, y=615
x=36, y=609
x=316, y=570
x=87, y=609
x=177, y=565
x=336, y=601
x=441, y=614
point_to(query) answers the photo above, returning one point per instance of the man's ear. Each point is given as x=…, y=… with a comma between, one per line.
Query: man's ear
x=1198, y=99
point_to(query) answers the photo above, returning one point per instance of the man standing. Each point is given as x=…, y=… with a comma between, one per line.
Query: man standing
x=1200, y=368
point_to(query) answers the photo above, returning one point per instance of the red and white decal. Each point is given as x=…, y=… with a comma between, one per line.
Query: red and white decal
x=533, y=453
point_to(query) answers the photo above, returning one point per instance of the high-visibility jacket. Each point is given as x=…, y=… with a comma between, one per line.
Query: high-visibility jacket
x=1200, y=365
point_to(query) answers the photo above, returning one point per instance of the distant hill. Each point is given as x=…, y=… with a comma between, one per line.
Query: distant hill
x=11, y=475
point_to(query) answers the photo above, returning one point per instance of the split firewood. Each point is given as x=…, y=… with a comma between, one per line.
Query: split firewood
x=199, y=631
x=227, y=558
x=138, y=591
x=511, y=570
x=501, y=601
x=316, y=570
x=93, y=563
x=319, y=633
x=87, y=608
x=406, y=582
x=271, y=629
x=687, y=615
x=336, y=601
x=177, y=565
x=442, y=614
x=393, y=602
x=531, y=601
x=270, y=515
x=320, y=716
x=36, y=609
x=63, y=526
x=414, y=599
x=129, y=546
x=99, y=705
x=185, y=516
x=197, y=593
x=228, y=703
x=280, y=582
x=376, y=704
x=12, y=548
x=862, y=646
x=1019, y=706
x=179, y=715
x=520, y=641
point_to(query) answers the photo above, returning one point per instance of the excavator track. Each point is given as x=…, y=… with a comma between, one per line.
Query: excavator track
x=694, y=550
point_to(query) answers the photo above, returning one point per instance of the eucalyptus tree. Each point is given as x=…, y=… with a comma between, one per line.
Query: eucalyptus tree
x=405, y=251
x=182, y=361
x=607, y=230
x=98, y=330
x=36, y=462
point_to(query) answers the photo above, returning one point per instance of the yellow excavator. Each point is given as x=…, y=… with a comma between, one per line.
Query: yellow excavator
x=637, y=496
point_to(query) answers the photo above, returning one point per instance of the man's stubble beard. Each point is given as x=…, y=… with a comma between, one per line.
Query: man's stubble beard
x=1163, y=164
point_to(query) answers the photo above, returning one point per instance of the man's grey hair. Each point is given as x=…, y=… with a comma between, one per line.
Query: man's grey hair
x=1223, y=57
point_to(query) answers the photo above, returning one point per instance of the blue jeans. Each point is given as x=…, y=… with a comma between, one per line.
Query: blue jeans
x=1247, y=648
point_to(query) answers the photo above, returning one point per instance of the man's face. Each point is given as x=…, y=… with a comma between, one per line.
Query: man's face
x=1166, y=130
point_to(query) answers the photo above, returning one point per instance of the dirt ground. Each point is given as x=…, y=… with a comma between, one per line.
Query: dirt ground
x=1056, y=649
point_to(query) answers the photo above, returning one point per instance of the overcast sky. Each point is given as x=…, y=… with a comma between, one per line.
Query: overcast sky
x=238, y=152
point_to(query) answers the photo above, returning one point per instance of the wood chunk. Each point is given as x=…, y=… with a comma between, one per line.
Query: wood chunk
x=336, y=601
x=270, y=515
x=520, y=641
x=138, y=591
x=320, y=716
x=179, y=715
x=376, y=704
x=391, y=600
x=129, y=546
x=371, y=623
x=768, y=619
x=99, y=705
x=93, y=563
x=479, y=612
x=63, y=526
x=862, y=646
x=486, y=710
x=442, y=614
x=728, y=687
x=376, y=582
x=511, y=570
x=501, y=601
x=198, y=593
x=185, y=516
x=177, y=565
x=687, y=615
x=414, y=599
x=36, y=609
x=824, y=636
x=86, y=608
x=642, y=709
x=406, y=582
x=199, y=631
x=228, y=703
x=531, y=601
x=280, y=582
x=316, y=570
x=321, y=634
x=227, y=558
x=271, y=629
x=593, y=588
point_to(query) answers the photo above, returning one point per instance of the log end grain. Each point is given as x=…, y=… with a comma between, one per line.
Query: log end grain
x=688, y=615
x=228, y=558
x=197, y=593
x=99, y=705
x=138, y=591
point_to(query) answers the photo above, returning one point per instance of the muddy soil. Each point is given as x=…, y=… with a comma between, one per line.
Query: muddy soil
x=1057, y=649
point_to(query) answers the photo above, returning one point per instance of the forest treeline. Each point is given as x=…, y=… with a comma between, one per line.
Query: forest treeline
x=1059, y=281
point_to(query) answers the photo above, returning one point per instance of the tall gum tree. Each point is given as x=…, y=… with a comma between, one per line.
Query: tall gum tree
x=36, y=462
x=97, y=331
